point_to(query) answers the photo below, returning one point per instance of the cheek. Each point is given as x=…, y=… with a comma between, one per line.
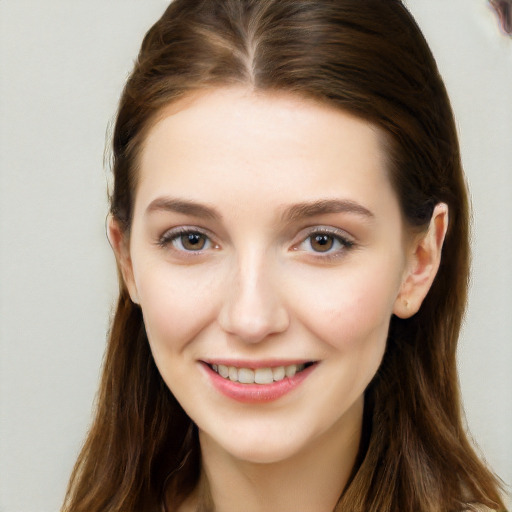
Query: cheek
x=351, y=309
x=176, y=304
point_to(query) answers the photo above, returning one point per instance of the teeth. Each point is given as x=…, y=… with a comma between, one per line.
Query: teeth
x=233, y=374
x=291, y=370
x=245, y=376
x=223, y=371
x=279, y=373
x=259, y=375
x=263, y=376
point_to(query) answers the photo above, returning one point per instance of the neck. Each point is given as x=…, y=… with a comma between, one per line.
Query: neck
x=311, y=480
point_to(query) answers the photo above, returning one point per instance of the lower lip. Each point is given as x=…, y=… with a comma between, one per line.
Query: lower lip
x=257, y=393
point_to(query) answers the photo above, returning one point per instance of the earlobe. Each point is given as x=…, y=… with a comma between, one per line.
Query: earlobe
x=120, y=246
x=422, y=265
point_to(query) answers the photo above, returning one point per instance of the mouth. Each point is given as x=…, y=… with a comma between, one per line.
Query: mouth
x=263, y=376
x=257, y=382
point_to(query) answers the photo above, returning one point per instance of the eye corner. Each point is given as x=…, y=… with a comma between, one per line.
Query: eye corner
x=338, y=242
x=187, y=240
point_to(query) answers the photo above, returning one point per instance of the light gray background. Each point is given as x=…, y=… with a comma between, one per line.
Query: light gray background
x=62, y=66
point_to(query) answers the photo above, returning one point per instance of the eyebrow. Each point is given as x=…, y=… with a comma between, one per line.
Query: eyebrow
x=325, y=206
x=291, y=213
x=185, y=206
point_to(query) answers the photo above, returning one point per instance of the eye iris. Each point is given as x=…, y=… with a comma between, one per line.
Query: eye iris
x=322, y=243
x=193, y=241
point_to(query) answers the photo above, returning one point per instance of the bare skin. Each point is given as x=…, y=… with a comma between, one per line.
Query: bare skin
x=266, y=233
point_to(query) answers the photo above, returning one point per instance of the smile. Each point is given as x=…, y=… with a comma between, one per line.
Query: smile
x=258, y=375
x=260, y=383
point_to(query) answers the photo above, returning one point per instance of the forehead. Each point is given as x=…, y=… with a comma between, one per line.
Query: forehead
x=236, y=145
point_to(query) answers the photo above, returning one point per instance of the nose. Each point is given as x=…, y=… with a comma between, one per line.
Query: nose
x=253, y=308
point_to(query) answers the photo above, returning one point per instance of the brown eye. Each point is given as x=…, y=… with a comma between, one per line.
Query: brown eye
x=186, y=240
x=322, y=242
x=325, y=243
x=193, y=241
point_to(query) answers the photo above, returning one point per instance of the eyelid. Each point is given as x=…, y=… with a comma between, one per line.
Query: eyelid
x=347, y=241
x=167, y=238
x=320, y=228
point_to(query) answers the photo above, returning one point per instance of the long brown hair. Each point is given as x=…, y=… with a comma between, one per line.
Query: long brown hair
x=367, y=57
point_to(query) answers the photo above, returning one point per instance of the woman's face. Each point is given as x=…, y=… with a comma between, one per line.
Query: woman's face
x=266, y=241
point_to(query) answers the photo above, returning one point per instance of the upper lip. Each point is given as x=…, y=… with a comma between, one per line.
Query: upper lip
x=261, y=363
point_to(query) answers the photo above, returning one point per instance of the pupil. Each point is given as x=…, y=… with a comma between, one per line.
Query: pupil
x=322, y=243
x=193, y=241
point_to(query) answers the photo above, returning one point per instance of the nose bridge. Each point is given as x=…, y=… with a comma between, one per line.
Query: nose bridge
x=253, y=307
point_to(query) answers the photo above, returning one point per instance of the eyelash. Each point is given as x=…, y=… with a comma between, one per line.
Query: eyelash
x=337, y=236
x=174, y=236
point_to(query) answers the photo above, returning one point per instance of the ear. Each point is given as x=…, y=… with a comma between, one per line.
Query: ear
x=423, y=262
x=121, y=247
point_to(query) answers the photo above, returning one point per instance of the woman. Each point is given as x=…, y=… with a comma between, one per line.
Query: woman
x=290, y=221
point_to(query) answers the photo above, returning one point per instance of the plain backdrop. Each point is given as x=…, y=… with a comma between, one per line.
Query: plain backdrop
x=62, y=67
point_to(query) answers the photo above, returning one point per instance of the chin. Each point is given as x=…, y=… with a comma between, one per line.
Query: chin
x=260, y=445
x=263, y=453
